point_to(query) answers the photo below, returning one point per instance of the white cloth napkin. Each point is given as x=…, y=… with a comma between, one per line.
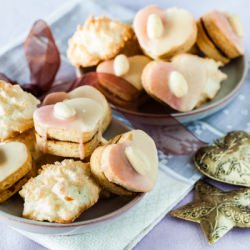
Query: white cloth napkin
x=127, y=230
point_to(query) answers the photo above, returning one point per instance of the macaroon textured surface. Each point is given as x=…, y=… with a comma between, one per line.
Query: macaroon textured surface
x=16, y=110
x=60, y=193
x=101, y=38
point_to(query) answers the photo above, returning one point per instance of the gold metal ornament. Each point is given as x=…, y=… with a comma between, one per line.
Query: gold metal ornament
x=217, y=211
x=227, y=160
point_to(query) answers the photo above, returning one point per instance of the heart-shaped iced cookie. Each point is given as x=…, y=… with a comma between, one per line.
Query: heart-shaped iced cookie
x=228, y=160
x=128, y=68
x=83, y=92
x=71, y=124
x=129, y=163
x=164, y=33
x=184, y=83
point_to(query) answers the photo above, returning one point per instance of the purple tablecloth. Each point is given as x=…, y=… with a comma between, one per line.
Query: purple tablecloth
x=177, y=234
x=169, y=233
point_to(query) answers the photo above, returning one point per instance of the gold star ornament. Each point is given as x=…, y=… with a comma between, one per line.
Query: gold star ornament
x=217, y=211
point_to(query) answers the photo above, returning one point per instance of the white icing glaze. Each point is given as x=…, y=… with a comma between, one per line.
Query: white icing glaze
x=193, y=70
x=155, y=28
x=214, y=78
x=202, y=75
x=236, y=24
x=133, y=162
x=146, y=144
x=84, y=109
x=179, y=27
x=177, y=84
x=121, y=65
x=89, y=92
x=63, y=111
x=136, y=66
x=12, y=156
x=89, y=114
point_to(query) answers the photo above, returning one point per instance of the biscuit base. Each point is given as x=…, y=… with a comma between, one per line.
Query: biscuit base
x=101, y=178
x=148, y=91
x=229, y=48
x=206, y=45
x=131, y=47
x=74, y=135
x=107, y=120
x=9, y=192
x=18, y=174
x=67, y=149
x=22, y=129
x=29, y=139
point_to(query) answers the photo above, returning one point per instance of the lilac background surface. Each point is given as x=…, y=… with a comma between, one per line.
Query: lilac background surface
x=169, y=233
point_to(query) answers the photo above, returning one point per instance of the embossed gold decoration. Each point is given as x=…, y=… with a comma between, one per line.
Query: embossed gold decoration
x=217, y=211
x=228, y=160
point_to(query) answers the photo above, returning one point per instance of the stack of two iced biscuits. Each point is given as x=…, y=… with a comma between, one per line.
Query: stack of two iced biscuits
x=17, y=138
x=71, y=124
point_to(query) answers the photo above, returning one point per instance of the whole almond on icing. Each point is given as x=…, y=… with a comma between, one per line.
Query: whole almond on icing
x=138, y=160
x=63, y=111
x=155, y=26
x=121, y=65
x=178, y=84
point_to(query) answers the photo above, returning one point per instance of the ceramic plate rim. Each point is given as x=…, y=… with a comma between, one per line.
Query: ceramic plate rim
x=94, y=221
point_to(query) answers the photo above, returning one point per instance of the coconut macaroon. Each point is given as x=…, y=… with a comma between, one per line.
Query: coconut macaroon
x=73, y=123
x=16, y=110
x=184, y=83
x=99, y=39
x=60, y=193
x=164, y=33
x=128, y=164
x=220, y=36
